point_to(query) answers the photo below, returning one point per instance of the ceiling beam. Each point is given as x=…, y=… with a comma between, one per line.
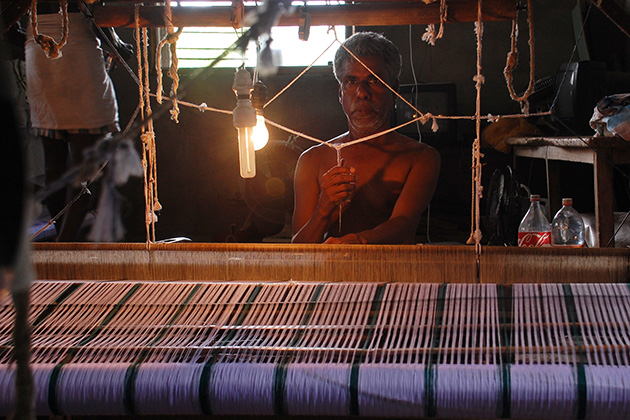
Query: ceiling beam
x=372, y=13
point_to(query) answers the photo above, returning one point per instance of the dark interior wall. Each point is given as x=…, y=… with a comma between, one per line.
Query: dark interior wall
x=198, y=182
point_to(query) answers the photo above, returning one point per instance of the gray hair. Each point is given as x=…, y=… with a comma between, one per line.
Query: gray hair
x=364, y=44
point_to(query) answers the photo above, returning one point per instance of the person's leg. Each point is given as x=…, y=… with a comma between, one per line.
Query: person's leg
x=76, y=214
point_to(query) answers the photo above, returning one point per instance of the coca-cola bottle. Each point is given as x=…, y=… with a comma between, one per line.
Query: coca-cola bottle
x=534, y=229
x=567, y=227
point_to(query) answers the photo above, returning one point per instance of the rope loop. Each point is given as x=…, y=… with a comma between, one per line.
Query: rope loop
x=430, y=36
x=51, y=47
x=512, y=61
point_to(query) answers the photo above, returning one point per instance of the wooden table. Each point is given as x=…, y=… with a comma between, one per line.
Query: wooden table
x=601, y=152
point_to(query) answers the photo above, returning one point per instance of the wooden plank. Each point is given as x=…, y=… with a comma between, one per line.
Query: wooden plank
x=555, y=153
x=381, y=13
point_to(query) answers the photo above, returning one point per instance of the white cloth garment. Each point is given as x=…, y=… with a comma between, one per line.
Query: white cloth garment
x=74, y=91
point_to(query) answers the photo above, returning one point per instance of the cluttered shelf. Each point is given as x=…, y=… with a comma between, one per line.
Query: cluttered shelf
x=604, y=153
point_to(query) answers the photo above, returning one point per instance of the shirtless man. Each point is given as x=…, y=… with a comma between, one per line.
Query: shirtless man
x=383, y=185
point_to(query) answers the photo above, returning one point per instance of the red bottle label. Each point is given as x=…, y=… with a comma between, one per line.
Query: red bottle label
x=534, y=239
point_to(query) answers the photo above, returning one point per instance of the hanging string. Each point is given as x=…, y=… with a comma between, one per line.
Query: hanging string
x=477, y=188
x=51, y=47
x=430, y=36
x=171, y=39
x=147, y=135
x=512, y=61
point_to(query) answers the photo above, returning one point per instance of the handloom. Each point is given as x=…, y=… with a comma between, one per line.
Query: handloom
x=278, y=345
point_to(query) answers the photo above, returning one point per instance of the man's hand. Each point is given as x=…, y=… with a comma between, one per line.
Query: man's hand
x=337, y=187
x=351, y=238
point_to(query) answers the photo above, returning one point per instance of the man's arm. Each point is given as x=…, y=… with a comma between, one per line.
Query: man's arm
x=316, y=203
x=412, y=202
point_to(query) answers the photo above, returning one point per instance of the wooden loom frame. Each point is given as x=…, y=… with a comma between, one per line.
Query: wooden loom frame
x=329, y=263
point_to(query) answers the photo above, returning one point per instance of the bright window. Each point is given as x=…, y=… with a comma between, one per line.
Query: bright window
x=199, y=46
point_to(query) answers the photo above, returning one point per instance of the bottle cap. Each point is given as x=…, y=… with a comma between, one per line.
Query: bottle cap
x=567, y=201
x=534, y=197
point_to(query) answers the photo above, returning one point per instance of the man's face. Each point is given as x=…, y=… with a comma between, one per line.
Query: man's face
x=365, y=100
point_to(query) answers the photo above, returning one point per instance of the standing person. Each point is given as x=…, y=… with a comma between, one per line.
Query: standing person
x=382, y=185
x=72, y=102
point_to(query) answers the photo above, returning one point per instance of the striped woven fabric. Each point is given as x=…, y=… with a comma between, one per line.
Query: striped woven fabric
x=557, y=351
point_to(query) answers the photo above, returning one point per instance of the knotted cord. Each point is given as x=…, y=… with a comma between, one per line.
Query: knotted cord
x=171, y=39
x=477, y=188
x=51, y=47
x=512, y=61
x=149, y=161
x=430, y=36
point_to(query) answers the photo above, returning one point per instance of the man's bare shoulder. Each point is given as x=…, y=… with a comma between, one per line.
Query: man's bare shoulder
x=317, y=154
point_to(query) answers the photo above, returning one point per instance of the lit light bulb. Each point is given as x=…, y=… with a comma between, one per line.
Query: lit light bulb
x=260, y=134
x=258, y=98
x=244, y=118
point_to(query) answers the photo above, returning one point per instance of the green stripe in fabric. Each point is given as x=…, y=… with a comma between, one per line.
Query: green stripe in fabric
x=206, y=373
x=367, y=337
x=180, y=309
x=204, y=387
x=505, y=298
x=280, y=371
x=506, y=393
x=109, y=316
x=52, y=390
x=241, y=317
x=129, y=393
x=51, y=307
x=430, y=369
x=48, y=310
x=279, y=384
x=308, y=314
x=54, y=376
x=131, y=374
x=572, y=313
x=582, y=391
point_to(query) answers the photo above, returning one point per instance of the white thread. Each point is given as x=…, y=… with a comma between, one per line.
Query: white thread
x=242, y=389
x=543, y=391
x=391, y=390
x=7, y=383
x=41, y=379
x=467, y=391
x=542, y=386
x=92, y=389
x=317, y=389
x=168, y=388
x=608, y=392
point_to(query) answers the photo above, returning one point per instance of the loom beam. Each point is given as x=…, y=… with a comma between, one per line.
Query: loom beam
x=329, y=263
x=364, y=14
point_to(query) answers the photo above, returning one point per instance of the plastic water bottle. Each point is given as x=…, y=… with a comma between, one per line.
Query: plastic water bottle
x=567, y=227
x=534, y=229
